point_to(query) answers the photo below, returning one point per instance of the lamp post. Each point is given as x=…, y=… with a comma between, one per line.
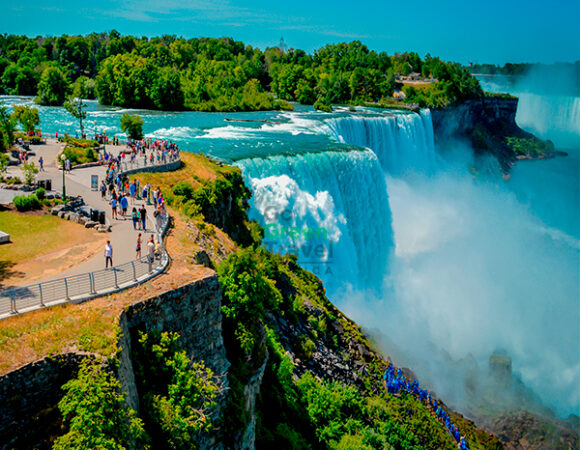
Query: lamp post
x=63, y=159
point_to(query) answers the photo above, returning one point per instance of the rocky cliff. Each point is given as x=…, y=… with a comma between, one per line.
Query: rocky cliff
x=488, y=125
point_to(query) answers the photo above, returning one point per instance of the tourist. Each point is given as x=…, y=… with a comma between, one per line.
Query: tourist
x=114, y=206
x=138, y=255
x=108, y=254
x=41, y=162
x=150, y=251
x=124, y=206
x=103, y=189
x=135, y=217
x=143, y=216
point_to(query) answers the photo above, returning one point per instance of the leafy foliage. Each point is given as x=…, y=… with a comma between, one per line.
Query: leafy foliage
x=531, y=147
x=7, y=127
x=132, y=125
x=29, y=170
x=78, y=155
x=77, y=108
x=52, y=87
x=27, y=116
x=178, y=394
x=206, y=74
x=26, y=202
x=94, y=408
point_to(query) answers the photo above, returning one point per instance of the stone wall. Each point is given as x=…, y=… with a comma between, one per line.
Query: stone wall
x=193, y=311
x=29, y=397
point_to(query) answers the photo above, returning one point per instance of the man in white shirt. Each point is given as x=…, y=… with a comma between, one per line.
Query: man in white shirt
x=108, y=254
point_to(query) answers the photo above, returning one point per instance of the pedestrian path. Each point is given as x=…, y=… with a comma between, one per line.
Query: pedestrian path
x=123, y=237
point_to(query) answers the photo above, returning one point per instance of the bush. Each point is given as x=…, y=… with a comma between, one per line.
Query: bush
x=132, y=125
x=26, y=202
x=183, y=189
x=320, y=106
x=30, y=172
x=83, y=143
x=40, y=193
x=80, y=155
x=95, y=409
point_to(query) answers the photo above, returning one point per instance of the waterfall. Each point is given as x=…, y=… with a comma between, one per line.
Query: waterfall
x=403, y=142
x=330, y=208
x=551, y=117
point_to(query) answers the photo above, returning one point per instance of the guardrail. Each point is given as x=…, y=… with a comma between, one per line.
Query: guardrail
x=86, y=286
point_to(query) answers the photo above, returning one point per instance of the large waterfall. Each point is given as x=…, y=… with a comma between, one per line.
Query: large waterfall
x=330, y=208
x=551, y=117
x=403, y=142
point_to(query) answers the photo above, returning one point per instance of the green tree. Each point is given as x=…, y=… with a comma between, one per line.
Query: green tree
x=27, y=116
x=53, y=87
x=132, y=125
x=178, y=394
x=30, y=172
x=7, y=126
x=97, y=415
x=77, y=108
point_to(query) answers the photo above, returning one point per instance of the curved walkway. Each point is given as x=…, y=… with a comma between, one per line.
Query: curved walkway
x=123, y=238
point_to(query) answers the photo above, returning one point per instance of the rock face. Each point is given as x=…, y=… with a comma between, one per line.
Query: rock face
x=29, y=397
x=485, y=123
x=461, y=119
x=194, y=312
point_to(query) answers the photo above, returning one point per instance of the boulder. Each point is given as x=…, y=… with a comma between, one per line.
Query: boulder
x=91, y=224
x=103, y=228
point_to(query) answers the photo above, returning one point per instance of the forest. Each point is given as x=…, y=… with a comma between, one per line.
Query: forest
x=209, y=74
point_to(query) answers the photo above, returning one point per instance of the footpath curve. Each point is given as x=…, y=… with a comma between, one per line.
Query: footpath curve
x=89, y=279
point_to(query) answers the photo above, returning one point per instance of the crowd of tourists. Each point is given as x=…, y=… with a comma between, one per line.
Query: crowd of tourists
x=396, y=383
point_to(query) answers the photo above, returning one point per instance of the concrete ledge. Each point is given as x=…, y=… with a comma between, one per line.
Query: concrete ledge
x=4, y=237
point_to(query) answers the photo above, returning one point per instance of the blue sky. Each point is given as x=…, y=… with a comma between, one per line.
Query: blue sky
x=493, y=31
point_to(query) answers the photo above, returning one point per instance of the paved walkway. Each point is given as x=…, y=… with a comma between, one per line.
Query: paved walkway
x=123, y=237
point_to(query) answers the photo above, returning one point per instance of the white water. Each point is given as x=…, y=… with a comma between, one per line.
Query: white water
x=402, y=142
x=342, y=193
x=475, y=270
x=551, y=117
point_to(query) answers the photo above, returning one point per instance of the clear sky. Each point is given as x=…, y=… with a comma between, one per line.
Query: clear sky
x=492, y=31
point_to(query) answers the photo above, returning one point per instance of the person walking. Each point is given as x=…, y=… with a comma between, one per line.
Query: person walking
x=135, y=218
x=114, y=207
x=124, y=205
x=108, y=254
x=41, y=162
x=138, y=255
x=103, y=189
x=143, y=216
x=150, y=252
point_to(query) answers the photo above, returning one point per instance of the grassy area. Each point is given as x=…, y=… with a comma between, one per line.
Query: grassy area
x=33, y=235
x=196, y=169
x=32, y=336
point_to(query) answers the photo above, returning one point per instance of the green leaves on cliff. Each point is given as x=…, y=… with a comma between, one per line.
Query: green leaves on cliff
x=248, y=294
x=178, y=395
x=98, y=417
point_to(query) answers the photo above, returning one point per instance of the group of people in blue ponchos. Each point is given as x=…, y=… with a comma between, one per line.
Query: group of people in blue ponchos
x=395, y=383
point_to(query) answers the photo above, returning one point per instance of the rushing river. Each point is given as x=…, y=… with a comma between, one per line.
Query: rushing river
x=408, y=241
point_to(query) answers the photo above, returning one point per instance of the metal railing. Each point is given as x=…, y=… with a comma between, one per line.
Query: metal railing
x=82, y=287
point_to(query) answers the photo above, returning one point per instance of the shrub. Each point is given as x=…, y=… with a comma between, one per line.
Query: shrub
x=183, y=189
x=132, y=125
x=320, y=106
x=30, y=172
x=80, y=155
x=40, y=193
x=95, y=409
x=26, y=202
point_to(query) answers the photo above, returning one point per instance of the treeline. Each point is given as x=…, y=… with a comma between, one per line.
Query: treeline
x=207, y=74
x=522, y=68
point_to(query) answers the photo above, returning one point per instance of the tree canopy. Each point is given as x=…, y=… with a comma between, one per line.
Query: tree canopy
x=207, y=74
